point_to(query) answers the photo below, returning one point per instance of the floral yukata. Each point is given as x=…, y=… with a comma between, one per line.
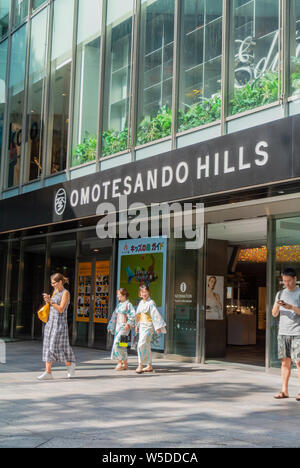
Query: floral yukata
x=148, y=320
x=124, y=313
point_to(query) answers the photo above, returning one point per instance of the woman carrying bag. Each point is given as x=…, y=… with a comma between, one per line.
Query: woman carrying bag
x=56, y=344
x=120, y=324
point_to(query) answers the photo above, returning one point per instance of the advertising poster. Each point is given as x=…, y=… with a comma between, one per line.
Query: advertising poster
x=101, y=292
x=84, y=292
x=144, y=261
x=214, y=297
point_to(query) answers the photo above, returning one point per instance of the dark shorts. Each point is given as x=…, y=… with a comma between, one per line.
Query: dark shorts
x=289, y=347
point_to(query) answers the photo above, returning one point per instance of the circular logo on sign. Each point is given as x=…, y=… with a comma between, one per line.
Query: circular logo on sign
x=183, y=287
x=60, y=202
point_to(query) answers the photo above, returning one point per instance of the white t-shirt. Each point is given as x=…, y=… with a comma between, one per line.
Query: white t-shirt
x=289, y=323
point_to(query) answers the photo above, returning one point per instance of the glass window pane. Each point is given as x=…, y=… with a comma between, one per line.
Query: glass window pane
x=287, y=255
x=61, y=59
x=117, y=76
x=36, y=4
x=201, y=63
x=87, y=82
x=37, y=66
x=295, y=47
x=156, y=70
x=20, y=11
x=253, y=64
x=4, y=17
x=3, y=57
x=16, y=105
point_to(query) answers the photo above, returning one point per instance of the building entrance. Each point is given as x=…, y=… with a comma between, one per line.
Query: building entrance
x=92, y=304
x=236, y=291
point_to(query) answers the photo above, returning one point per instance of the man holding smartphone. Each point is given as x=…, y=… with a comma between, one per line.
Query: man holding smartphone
x=287, y=306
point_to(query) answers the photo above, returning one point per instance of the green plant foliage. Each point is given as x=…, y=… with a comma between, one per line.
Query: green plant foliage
x=85, y=151
x=154, y=128
x=201, y=113
x=114, y=142
x=257, y=93
x=295, y=75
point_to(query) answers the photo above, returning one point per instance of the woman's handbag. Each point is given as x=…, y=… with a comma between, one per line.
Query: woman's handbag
x=43, y=313
x=124, y=341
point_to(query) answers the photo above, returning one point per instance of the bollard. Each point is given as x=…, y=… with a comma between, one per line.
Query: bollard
x=12, y=318
x=2, y=352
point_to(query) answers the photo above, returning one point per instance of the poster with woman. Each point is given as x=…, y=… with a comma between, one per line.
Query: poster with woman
x=214, y=297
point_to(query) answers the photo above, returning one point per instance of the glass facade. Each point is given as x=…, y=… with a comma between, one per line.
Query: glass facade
x=4, y=17
x=16, y=97
x=201, y=63
x=156, y=57
x=294, y=47
x=20, y=11
x=60, y=83
x=253, y=54
x=286, y=254
x=117, y=87
x=36, y=82
x=87, y=82
x=161, y=72
x=3, y=57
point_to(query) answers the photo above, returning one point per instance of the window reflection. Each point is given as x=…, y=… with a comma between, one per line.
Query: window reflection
x=156, y=70
x=294, y=47
x=87, y=82
x=16, y=105
x=61, y=59
x=34, y=143
x=253, y=65
x=3, y=56
x=201, y=61
x=4, y=17
x=117, y=77
x=20, y=11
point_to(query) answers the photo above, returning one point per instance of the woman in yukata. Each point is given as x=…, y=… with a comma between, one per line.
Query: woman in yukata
x=121, y=322
x=148, y=321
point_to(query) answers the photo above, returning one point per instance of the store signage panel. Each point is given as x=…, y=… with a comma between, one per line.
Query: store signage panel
x=84, y=292
x=256, y=156
x=101, y=291
x=144, y=261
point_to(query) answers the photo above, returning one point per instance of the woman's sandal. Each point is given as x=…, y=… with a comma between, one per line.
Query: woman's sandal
x=139, y=370
x=148, y=369
x=282, y=396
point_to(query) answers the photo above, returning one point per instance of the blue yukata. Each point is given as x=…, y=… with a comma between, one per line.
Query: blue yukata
x=124, y=313
x=148, y=320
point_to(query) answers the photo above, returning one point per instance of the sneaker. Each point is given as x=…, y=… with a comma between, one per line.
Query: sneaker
x=45, y=376
x=71, y=370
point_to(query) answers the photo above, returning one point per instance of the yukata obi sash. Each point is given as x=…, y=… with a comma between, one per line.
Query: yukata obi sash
x=142, y=317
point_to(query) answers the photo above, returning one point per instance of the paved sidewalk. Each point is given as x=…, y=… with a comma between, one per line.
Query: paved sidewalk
x=180, y=405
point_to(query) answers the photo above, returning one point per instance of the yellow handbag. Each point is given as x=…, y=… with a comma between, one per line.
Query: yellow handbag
x=43, y=313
